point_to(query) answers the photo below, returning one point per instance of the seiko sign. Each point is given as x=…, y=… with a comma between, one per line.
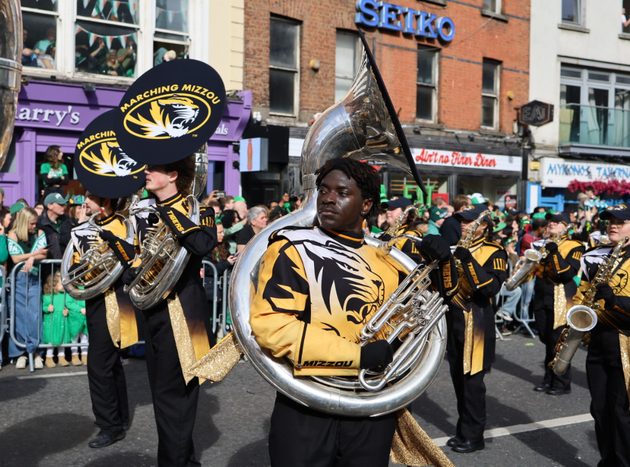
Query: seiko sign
x=392, y=17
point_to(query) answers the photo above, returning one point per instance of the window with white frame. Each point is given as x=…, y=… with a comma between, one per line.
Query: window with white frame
x=171, y=30
x=625, y=14
x=39, y=20
x=427, y=79
x=347, y=62
x=492, y=5
x=106, y=37
x=490, y=94
x=572, y=11
x=284, y=71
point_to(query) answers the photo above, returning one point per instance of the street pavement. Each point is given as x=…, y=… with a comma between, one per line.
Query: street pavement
x=46, y=419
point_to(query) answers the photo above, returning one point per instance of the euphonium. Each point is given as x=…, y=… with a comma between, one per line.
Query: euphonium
x=361, y=127
x=98, y=267
x=582, y=318
x=162, y=259
x=525, y=270
x=465, y=241
x=10, y=70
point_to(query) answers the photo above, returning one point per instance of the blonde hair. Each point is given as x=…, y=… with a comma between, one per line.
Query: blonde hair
x=50, y=284
x=20, y=225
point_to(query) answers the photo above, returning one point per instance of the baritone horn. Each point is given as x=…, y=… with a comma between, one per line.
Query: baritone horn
x=360, y=126
x=10, y=70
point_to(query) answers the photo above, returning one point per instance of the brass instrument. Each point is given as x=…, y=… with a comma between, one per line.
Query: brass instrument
x=525, y=270
x=394, y=228
x=582, y=318
x=10, y=70
x=162, y=259
x=98, y=267
x=361, y=127
x=465, y=241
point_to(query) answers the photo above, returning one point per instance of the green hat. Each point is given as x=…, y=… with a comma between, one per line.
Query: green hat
x=16, y=207
x=539, y=215
x=438, y=214
x=239, y=198
x=75, y=200
x=500, y=226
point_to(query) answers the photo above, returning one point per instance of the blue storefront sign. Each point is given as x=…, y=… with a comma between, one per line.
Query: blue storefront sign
x=421, y=24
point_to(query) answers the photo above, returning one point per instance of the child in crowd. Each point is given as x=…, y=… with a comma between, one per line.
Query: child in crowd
x=57, y=308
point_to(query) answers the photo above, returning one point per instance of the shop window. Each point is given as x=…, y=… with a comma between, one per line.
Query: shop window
x=492, y=5
x=39, y=19
x=426, y=89
x=171, y=30
x=347, y=62
x=283, y=66
x=490, y=94
x=572, y=11
x=106, y=37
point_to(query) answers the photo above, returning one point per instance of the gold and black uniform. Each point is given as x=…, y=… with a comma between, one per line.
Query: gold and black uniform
x=553, y=296
x=177, y=331
x=111, y=322
x=317, y=288
x=608, y=361
x=471, y=339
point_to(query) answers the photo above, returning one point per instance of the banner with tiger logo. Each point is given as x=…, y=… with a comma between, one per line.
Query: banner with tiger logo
x=170, y=111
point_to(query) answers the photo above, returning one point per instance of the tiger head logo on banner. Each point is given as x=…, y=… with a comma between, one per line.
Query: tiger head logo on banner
x=102, y=165
x=170, y=111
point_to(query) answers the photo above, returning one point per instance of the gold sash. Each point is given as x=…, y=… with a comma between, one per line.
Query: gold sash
x=559, y=306
x=121, y=323
x=219, y=361
x=624, y=343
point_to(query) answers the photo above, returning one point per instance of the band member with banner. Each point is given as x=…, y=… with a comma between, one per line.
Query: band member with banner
x=89, y=276
x=608, y=361
x=471, y=334
x=186, y=103
x=553, y=295
x=317, y=288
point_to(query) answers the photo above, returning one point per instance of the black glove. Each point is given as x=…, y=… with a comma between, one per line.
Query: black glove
x=124, y=251
x=153, y=218
x=376, y=355
x=463, y=254
x=604, y=292
x=435, y=247
x=551, y=247
x=130, y=275
x=178, y=222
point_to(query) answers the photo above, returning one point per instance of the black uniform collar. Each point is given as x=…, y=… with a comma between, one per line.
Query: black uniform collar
x=107, y=220
x=170, y=201
x=477, y=241
x=350, y=239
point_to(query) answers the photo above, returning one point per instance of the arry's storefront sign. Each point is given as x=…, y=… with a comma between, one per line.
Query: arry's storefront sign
x=382, y=15
x=467, y=160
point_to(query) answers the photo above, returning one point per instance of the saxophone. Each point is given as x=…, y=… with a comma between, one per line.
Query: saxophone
x=582, y=318
x=394, y=228
x=465, y=241
x=524, y=270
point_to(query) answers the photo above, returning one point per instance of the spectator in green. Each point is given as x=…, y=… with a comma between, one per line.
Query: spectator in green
x=54, y=172
x=127, y=58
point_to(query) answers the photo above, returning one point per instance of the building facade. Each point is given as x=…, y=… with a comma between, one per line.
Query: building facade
x=580, y=63
x=80, y=56
x=456, y=72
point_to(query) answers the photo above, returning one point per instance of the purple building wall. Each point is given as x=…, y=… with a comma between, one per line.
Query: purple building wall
x=56, y=114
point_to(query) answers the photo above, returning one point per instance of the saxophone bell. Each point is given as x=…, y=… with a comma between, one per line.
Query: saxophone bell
x=524, y=271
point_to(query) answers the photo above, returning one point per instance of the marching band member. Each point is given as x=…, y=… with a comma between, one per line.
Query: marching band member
x=607, y=361
x=553, y=296
x=471, y=340
x=111, y=324
x=317, y=288
x=177, y=330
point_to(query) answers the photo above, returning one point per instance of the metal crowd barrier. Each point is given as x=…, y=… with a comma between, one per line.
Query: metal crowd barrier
x=47, y=268
x=518, y=316
x=220, y=310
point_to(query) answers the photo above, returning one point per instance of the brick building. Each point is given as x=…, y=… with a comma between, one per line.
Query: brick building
x=455, y=70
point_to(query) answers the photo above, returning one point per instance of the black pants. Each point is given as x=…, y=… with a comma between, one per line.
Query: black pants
x=544, y=316
x=106, y=376
x=303, y=437
x=609, y=404
x=174, y=401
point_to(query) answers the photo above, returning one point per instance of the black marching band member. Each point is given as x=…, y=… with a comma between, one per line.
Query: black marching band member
x=608, y=358
x=317, y=288
x=111, y=322
x=177, y=330
x=553, y=296
x=471, y=336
